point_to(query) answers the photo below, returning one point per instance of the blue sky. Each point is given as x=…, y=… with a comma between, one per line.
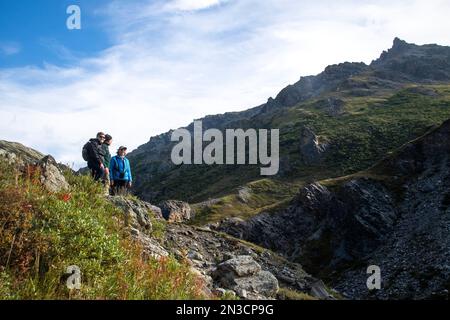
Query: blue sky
x=34, y=33
x=140, y=68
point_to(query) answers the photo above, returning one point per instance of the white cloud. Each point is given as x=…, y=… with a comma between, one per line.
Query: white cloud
x=192, y=5
x=9, y=48
x=168, y=68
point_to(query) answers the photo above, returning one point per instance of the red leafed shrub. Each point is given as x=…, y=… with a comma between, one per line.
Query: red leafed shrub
x=65, y=197
x=20, y=244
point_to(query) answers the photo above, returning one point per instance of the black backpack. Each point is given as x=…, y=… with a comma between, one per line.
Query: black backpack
x=85, y=152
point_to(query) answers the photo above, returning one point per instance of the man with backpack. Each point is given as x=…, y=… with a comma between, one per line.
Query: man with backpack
x=120, y=172
x=93, y=153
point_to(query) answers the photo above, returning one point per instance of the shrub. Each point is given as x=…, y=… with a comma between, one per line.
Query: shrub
x=43, y=233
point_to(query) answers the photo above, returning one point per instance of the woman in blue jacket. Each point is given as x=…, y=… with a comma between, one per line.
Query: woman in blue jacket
x=120, y=172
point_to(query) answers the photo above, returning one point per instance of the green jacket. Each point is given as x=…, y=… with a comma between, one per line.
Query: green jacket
x=107, y=156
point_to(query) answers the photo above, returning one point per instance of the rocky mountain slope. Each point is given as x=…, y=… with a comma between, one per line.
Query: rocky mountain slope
x=395, y=215
x=225, y=263
x=68, y=211
x=336, y=123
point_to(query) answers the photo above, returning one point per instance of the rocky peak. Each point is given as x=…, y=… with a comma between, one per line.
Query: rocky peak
x=399, y=48
x=400, y=45
x=410, y=62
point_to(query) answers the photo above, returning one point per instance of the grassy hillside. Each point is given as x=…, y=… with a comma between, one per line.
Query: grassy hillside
x=253, y=198
x=41, y=234
x=370, y=128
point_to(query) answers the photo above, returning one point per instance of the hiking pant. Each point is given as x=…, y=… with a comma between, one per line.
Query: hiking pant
x=120, y=188
x=106, y=183
x=96, y=171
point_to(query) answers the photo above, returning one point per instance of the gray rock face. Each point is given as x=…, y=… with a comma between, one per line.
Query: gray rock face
x=399, y=221
x=244, y=276
x=323, y=229
x=241, y=266
x=51, y=177
x=50, y=173
x=175, y=211
x=245, y=272
x=136, y=213
x=263, y=283
x=214, y=247
x=137, y=218
x=244, y=194
x=10, y=158
x=311, y=149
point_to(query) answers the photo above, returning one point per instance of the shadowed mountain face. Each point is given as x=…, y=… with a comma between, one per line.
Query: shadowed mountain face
x=353, y=112
x=395, y=215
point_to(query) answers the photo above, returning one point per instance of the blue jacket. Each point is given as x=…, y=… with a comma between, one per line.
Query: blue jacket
x=116, y=166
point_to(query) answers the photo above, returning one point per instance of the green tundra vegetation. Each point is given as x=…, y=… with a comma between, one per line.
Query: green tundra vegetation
x=43, y=233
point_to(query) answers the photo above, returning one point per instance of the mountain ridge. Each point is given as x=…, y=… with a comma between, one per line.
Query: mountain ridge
x=334, y=92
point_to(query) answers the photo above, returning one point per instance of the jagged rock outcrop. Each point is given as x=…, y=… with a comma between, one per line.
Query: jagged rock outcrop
x=226, y=264
x=50, y=175
x=175, y=211
x=395, y=215
x=136, y=213
x=49, y=170
x=244, y=276
x=311, y=149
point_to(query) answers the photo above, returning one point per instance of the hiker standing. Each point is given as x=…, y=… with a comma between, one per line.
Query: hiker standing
x=106, y=162
x=120, y=172
x=94, y=155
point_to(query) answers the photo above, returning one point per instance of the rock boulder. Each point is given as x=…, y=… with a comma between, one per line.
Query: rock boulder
x=175, y=211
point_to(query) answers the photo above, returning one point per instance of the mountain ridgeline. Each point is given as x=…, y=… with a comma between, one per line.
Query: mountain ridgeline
x=336, y=123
